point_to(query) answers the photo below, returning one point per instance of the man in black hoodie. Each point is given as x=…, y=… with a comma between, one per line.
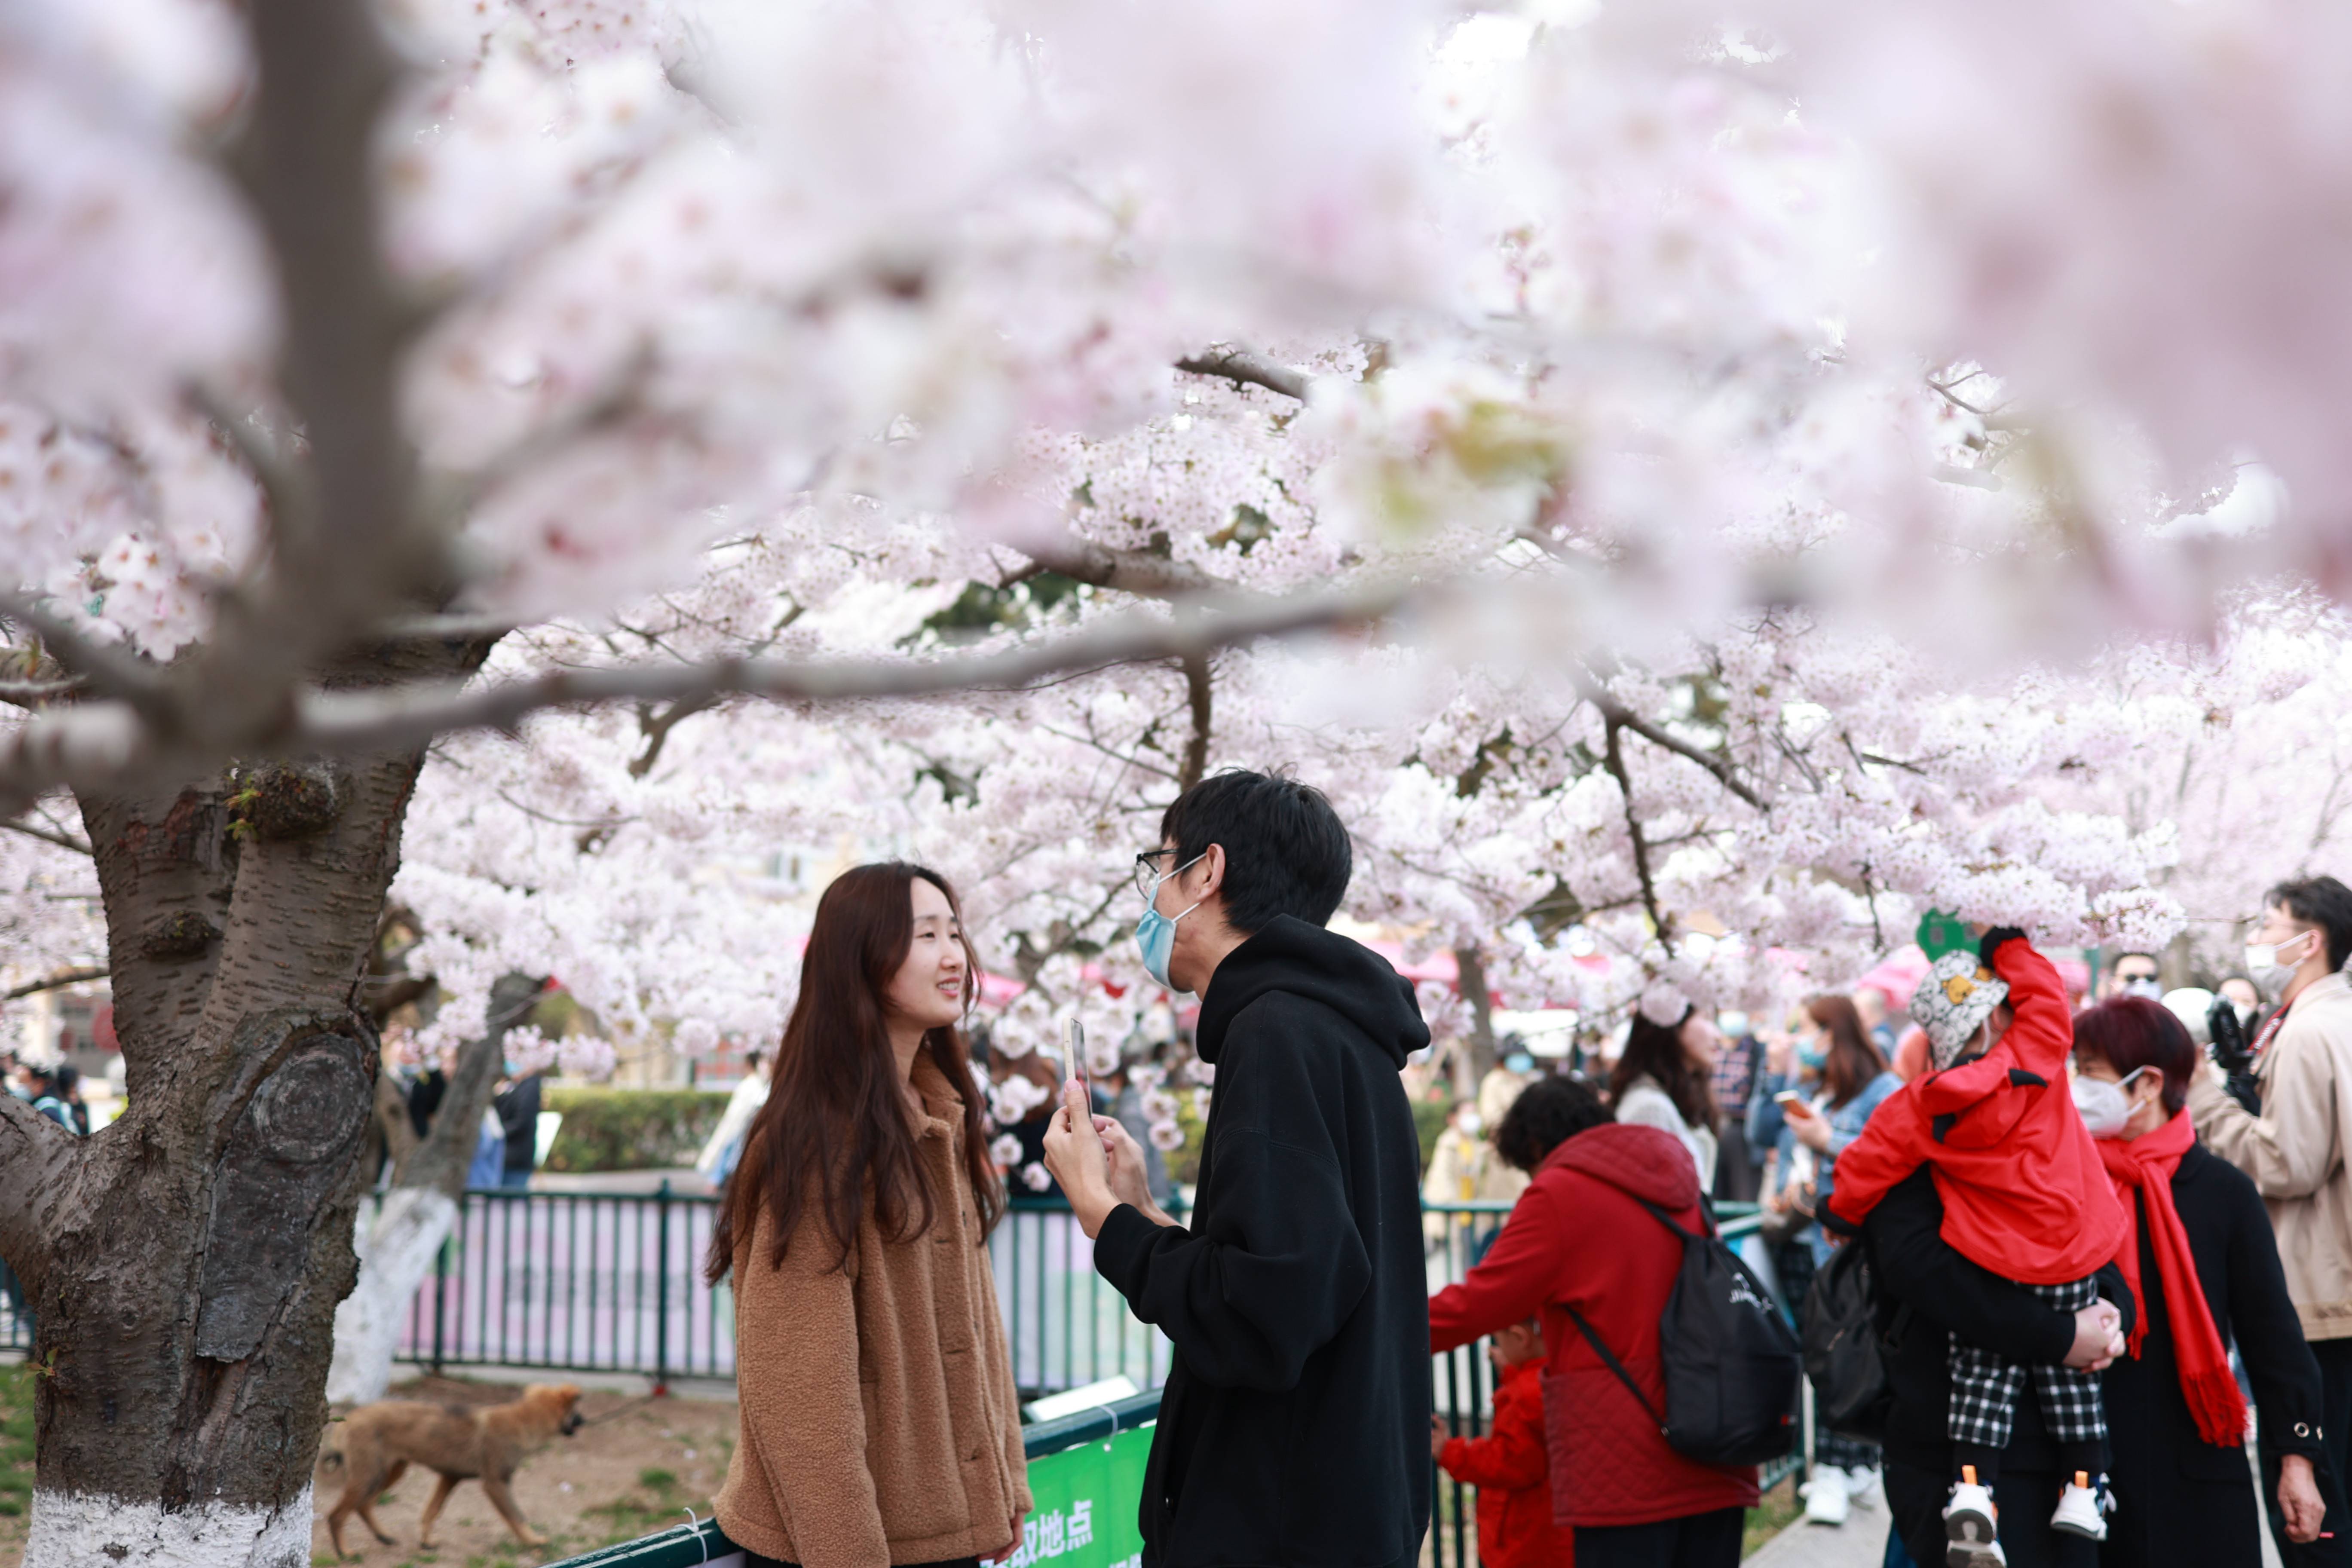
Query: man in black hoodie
x=1294, y=1428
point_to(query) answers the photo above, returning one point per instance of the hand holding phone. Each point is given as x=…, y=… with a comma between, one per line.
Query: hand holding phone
x=1793, y=1104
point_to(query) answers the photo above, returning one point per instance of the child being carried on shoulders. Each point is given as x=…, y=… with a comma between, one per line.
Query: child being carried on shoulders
x=2025, y=1196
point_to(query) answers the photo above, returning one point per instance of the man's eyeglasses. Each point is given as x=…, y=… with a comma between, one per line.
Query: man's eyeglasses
x=1149, y=870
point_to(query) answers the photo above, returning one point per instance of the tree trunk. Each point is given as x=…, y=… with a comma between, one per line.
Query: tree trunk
x=429, y=1183
x=185, y=1262
x=1470, y=975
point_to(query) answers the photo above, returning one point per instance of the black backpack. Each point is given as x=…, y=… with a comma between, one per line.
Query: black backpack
x=1843, y=1356
x=1732, y=1364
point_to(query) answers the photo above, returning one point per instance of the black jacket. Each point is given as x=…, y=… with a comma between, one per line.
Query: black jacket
x=2181, y=1500
x=1294, y=1426
x=1946, y=1294
x=518, y=1110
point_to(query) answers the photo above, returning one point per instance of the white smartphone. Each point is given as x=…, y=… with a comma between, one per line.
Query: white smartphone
x=1074, y=1054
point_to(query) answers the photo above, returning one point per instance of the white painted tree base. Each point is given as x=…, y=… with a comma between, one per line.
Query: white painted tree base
x=84, y=1530
x=394, y=1256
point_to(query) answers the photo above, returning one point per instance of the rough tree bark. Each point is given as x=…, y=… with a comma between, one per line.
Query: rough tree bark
x=185, y=1263
x=427, y=1183
x=1478, y=1059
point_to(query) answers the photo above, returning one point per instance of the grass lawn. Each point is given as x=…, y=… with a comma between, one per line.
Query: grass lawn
x=1772, y=1513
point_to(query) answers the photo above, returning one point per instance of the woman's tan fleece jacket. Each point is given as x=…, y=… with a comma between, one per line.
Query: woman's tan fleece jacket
x=878, y=1414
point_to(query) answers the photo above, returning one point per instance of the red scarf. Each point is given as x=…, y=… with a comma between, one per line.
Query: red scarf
x=2143, y=1169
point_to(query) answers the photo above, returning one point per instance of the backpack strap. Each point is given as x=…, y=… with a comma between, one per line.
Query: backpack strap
x=1707, y=1219
x=1614, y=1365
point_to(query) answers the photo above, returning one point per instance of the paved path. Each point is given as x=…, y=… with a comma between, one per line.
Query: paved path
x=1858, y=1542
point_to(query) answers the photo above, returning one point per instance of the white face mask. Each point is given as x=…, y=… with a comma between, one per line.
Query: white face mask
x=2104, y=1106
x=1471, y=1124
x=2268, y=960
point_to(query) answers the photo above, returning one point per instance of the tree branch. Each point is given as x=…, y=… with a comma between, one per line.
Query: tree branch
x=1247, y=369
x=1198, y=695
x=49, y=836
x=1617, y=714
x=1126, y=570
x=34, y=1152
x=656, y=728
x=57, y=979
x=1613, y=759
x=33, y=693
x=107, y=671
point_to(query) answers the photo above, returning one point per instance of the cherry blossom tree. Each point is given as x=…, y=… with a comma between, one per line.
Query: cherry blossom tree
x=615, y=441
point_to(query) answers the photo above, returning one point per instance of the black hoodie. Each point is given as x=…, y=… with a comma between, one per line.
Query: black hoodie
x=1294, y=1426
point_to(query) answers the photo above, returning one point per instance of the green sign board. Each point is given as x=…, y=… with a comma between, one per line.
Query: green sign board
x=1086, y=1498
x=1941, y=933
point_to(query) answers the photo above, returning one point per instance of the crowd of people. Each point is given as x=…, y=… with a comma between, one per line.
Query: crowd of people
x=2108, y=1280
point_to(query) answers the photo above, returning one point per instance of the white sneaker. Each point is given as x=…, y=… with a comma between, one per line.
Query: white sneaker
x=1971, y=1532
x=1862, y=1486
x=1825, y=1495
x=2082, y=1509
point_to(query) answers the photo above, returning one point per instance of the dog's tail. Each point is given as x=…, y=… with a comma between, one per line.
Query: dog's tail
x=331, y=1451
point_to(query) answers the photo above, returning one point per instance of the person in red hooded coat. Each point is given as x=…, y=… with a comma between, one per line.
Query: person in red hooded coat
x=1580, y=1237
x=1508, y=1466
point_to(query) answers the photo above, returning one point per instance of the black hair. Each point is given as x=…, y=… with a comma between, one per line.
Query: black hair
x=68, y=1078
x=2136, y=953
x=2321, y=901
x=1654, y=1051
x=1547, y=1113
x=1286, y=850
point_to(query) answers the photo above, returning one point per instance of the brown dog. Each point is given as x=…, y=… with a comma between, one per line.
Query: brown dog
x=374, y=1445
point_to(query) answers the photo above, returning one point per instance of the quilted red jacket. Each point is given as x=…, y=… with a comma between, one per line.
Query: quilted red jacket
x=1578, y=1238
x=1515, y=1524
x=2025, y=1194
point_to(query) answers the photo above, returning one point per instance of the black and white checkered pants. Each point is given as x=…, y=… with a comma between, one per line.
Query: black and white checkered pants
x=1985, y=1386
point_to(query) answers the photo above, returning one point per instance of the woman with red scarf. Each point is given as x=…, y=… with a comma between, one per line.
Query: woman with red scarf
x=2205, y=1268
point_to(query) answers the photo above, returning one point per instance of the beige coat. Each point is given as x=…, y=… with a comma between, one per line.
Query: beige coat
x=2295, y=1149
x=878, y=1422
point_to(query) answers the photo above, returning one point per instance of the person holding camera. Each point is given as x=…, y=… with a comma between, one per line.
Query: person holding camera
x=2293, y=1148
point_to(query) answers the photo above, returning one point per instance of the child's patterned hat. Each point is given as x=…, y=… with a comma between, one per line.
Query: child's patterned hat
x=1953, y=1002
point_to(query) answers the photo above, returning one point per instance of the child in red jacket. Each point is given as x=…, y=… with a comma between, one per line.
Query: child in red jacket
x=2025, y=1196
x=1515, y=1522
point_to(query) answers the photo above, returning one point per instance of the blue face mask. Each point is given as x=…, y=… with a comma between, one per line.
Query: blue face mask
x=1814, y=1056
x=1155, y=933
x=1519, y=1061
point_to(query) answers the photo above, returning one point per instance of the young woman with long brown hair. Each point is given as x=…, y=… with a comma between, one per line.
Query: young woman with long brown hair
x=878, y=1421
x=1667, y=1080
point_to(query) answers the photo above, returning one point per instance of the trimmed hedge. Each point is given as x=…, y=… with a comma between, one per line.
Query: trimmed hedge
x=630, y=1128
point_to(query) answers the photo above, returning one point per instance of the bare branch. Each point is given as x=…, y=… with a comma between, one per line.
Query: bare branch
x=33, y=693
x=448, y=498
x=656, y=728
x=1613, y=759
x=1247, y=369
x=340, y=722
x=275, y=469
x=56, y=980
x=100, y=745
x=1128, y=570
x=107, y=671
x=1198, y=695
x=1618, y=714
x=50, y=836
